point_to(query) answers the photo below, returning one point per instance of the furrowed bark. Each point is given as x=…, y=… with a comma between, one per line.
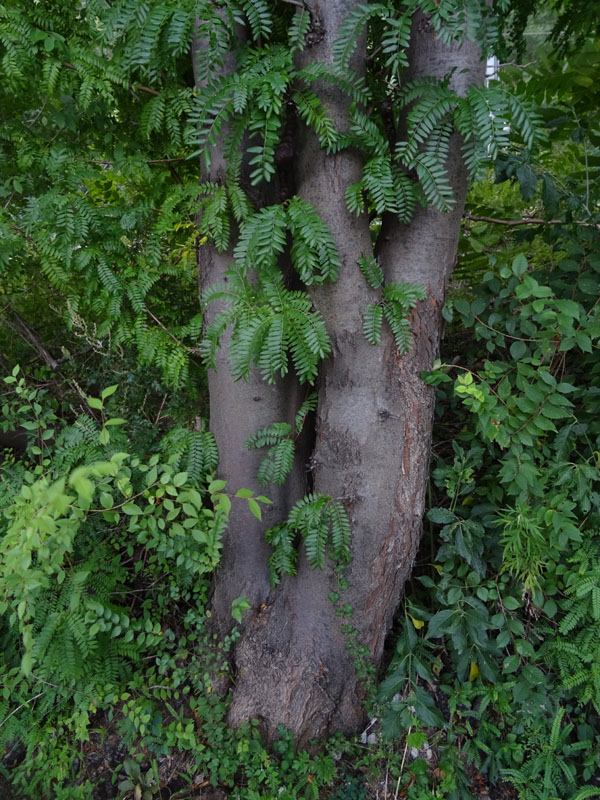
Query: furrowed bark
x=239, y=409
x=373, y=433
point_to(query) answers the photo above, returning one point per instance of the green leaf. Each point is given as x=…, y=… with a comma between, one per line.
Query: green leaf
x=94, y=402
x=373, y=319
x=27, y=663
x=261, y=498
x=106, y=500
x=223, y=503
x=519, y=265
x=439, y=623
x=518, y=350
x=255, y=509
x=247, y=493
x=524, y=648
x=109, y=390
x=371, y=270
x=238, y=606
x=511, y=664
x=441, y=516
x=131, y=509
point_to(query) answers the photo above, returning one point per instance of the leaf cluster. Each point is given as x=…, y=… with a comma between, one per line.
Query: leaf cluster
x=323, y=525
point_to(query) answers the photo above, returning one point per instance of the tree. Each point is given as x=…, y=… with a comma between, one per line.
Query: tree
x=304, y=640
x=336, y=141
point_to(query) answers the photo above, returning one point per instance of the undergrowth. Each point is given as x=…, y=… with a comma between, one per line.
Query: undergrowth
x=108, y=547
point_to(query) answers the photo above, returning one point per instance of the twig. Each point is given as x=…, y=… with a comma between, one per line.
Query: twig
x=162, y=405
x=192, y=350
x=18, y=708
x=149, y=161
x=514, y=64
x=508, y=336
x=146, y=89
x=402, y=764
x=28, y=333
x=528, y=221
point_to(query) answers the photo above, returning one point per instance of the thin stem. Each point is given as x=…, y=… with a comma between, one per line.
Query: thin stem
x=528, y=221
x=18, y=708
x=192, y=350
x=508, y=336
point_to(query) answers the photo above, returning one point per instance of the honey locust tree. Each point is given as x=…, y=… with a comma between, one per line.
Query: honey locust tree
x=311, y=160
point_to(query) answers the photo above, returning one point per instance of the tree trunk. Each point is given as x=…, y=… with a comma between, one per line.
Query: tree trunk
x=239, y=409
x=373, y=432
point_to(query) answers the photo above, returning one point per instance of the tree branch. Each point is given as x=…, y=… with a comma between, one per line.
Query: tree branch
x=146, y=89
x=148, y=161
x=527, y=221
x=191, y=350
x=29, y=335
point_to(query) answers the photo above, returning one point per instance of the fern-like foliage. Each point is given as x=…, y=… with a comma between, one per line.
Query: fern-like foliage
x=193, y=452
x=371, y=270
x=350, y=83
x=298, y=29
x=251, y=100
x=262, y=239
x=309, y=405
x=428, y=102
x=351, y=28
x=276, y=466
x=487, y=118
x=545, y=773
x=398, y=300
x=313, y=252
x=264, y=235
x=77, y=444
x=395, y=41
x=267, y=437
x=284, y=557
x=259, y=17
x=280, y=438
x=385, y=185
x=373, y=320
x=323, y=525
x=315, y=115
x=270, y=325
x=67, y=642
x=575, y=650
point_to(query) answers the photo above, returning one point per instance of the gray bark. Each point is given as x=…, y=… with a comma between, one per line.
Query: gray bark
x=238, y=410
x=373, y=433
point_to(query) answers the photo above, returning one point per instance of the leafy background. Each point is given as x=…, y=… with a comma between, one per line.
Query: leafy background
x=111, y=519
